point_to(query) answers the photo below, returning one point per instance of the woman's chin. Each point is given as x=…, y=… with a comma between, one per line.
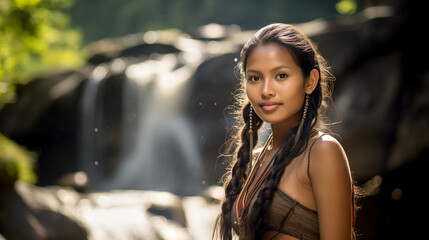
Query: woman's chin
x=277, y=121
x=271, y=120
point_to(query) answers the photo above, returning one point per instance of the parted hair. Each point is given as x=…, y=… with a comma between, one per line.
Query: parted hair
x=308, y=58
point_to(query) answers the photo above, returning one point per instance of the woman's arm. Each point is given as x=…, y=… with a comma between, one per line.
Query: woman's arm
x=332, y=188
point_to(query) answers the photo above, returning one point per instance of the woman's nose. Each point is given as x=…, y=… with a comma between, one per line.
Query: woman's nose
x=267, y=90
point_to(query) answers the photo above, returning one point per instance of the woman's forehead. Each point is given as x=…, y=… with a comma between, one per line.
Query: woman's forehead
x=268, y=56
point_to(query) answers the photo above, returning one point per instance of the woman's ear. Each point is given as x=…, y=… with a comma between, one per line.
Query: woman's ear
x=311, y=81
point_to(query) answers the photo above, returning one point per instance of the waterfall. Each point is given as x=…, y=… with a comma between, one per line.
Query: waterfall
x=164, y=155
x=158, y=146
x=91, y=120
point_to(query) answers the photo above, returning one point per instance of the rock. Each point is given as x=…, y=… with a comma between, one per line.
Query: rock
x=23, y=217
x=381, y=88
x=50, y=102
x=211, y=93
x=200, y=216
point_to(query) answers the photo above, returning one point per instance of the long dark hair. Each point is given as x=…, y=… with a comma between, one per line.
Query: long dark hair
x=308, y=58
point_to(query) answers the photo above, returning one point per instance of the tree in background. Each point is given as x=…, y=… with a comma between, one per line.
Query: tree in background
x=34, y=37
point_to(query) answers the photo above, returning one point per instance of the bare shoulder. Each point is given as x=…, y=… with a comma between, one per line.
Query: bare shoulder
x=332, y=188
x=327, y=145
x=328, y=154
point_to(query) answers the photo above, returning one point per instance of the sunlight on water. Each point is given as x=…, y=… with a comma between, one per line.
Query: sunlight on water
x=142, y=72
x=150, y=37
x=212, y=30
x=191, y=47
x=118, y=65
x=99, y=73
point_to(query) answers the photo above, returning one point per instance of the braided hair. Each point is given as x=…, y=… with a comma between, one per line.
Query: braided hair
x=308, y=58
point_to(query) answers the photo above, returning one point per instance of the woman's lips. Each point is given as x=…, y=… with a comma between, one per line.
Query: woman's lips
x=269, y=106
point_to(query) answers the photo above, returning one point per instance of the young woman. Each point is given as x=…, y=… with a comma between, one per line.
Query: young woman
x=299, y=185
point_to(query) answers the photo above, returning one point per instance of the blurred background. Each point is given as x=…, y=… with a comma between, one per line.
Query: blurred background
x=113, y=114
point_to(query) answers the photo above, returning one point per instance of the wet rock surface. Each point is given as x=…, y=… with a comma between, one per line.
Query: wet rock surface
x=31, y=212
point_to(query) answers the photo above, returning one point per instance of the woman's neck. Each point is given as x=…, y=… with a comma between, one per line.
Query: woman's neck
x=279, y=132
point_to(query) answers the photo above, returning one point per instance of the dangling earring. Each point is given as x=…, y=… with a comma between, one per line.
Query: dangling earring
x=304, y=115
x=251, y=138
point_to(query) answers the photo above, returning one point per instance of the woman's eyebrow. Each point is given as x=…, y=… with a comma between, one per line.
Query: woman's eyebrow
x=272, y=70
x=250, y=70
x=279, y=67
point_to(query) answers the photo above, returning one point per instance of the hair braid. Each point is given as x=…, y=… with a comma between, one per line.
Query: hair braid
x=235, y=178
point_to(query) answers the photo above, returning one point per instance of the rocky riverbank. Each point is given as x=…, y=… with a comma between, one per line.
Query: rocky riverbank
x=54, y=212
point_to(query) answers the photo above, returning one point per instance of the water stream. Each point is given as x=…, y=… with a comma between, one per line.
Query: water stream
x=158, y=147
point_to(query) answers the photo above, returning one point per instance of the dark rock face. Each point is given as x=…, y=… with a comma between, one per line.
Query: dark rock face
x=379, y=80
x=44, y=119
x=28, y=219
x=209, y=109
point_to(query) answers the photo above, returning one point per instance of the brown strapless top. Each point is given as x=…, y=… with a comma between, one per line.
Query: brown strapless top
x=286, y=216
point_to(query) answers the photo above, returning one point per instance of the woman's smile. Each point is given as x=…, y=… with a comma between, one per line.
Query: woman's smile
x=269, y=106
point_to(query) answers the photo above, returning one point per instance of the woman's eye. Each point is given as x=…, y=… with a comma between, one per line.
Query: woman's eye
x=254, y=78
x=282, y=75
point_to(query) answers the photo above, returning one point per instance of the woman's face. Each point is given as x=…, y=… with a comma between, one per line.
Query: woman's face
x=275, y=84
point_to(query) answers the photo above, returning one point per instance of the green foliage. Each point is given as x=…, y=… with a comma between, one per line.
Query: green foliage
x=35, y=37
x=15, y=162
x=346, y=6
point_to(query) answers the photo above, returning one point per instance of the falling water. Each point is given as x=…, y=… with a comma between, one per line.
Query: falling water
x=90, y=125
x=164, y=155
x=159, y=148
